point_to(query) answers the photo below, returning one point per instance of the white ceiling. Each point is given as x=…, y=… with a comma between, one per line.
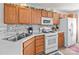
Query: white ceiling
x=58, y=6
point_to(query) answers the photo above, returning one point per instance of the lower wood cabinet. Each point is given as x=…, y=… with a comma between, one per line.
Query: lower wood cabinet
x=39, y=44
x=34, y=46
x=61, y=40
x=40, y=49
x=29, y=47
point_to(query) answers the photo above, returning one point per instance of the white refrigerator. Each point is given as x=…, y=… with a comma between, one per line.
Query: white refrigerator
x=68, y=26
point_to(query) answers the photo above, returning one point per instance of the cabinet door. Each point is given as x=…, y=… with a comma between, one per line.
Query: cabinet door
x=71, y=15
x=40, y=50
x=10, y=14
x=25, y=15
x=29, y=47
x=39, y=40
x=50, y=14
x=60, y=40
x=56, y=18
x=44, y=13
x=36, y=16
x=39, y=44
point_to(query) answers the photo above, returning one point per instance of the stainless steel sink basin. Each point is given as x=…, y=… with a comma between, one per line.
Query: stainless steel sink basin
x=17, y=37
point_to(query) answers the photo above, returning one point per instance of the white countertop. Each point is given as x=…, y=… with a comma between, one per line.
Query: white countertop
x=60, y=31
x=14, y=48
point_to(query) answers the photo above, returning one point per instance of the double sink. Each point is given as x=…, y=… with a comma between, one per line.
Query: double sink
x=17, y=37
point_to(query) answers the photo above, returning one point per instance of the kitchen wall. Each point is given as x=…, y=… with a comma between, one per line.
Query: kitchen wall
x=2, y=25
x=22, y=28
x=14, y=28
x=36, y=29
x=1, y=13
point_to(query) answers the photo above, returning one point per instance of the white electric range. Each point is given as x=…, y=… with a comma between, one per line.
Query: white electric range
x=51, y=42
x=51, y=39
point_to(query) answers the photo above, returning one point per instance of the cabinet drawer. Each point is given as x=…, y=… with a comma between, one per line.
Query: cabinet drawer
x=28, y=42
x=61, y=34
x=40, y=37
x=39, y=49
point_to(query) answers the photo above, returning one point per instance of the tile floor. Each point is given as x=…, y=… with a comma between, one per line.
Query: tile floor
x=67, y=51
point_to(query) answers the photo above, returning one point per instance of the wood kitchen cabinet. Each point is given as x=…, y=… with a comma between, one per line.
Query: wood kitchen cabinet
x=71, y=15
x=29, y=47
x=36, y=16
x=39, y=44
x=56, y=16
x=10, y=14
x=34, y=46
x=50, y=14
x=24, y=15
x=56, y=19
x=44, y=13
x=61, y=40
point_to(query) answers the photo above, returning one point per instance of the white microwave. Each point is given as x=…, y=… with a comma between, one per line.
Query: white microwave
x=47, y=21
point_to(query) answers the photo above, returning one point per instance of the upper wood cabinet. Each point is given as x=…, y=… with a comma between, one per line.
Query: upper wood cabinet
x=36, y=16
x=50, y=14
x=56, y=19
x=24, y=15
x=56, y=16
x=10, y=14
x=71, y=14
x=44, y=13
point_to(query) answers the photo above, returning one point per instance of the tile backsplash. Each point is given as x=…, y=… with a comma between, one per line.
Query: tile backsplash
x=11, y=28
x=3, y=28
x=36, y=29
x=16, y=28
x=19, y=28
